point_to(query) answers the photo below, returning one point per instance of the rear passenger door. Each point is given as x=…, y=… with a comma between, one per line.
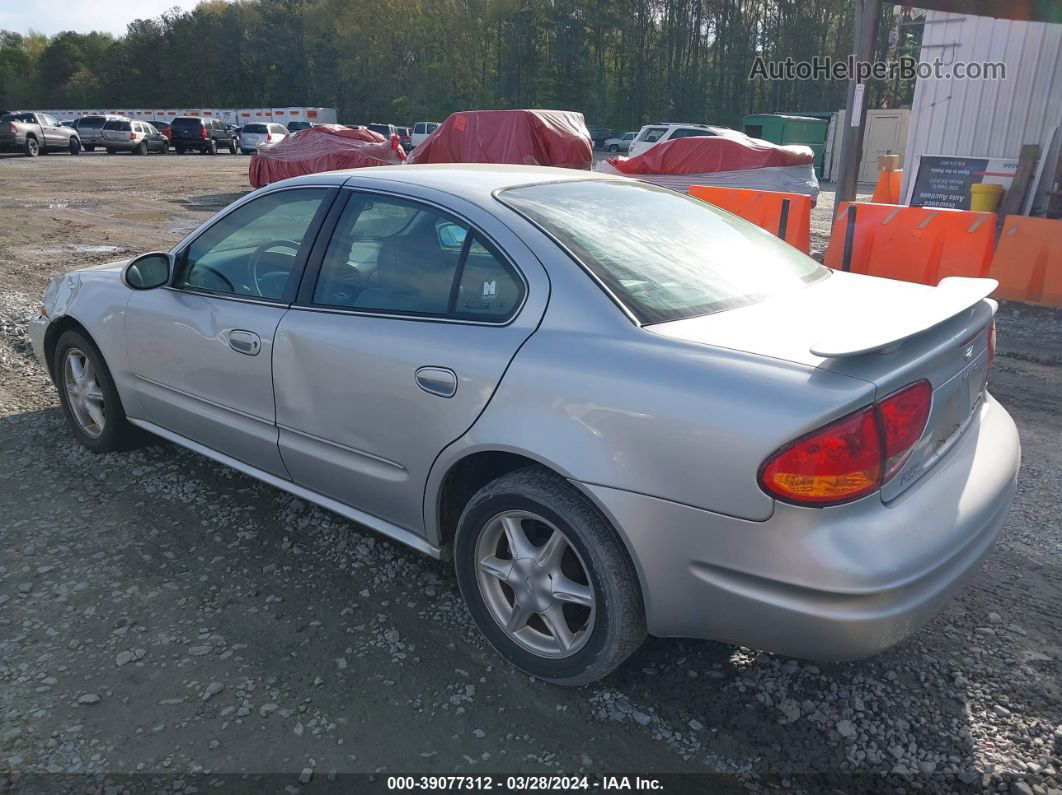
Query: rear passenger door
x=396, y=345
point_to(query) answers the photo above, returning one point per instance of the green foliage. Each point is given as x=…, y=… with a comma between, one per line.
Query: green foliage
x=621, y=62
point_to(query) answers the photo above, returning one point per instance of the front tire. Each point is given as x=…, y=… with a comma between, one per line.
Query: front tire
x=75, y=146
x=88, y=396
x=546, y=578
x=613, y=148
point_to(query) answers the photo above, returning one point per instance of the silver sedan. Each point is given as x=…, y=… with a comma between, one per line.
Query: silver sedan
x=618, y=410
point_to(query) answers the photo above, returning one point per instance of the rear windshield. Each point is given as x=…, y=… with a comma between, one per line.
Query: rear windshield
x=187, y=124
x=91, y=122
x=121, y=126
x=663, y=255
x=254, y=128
x=383, y=129
x=26, y=118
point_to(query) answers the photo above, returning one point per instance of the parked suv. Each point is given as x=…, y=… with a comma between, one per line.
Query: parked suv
x=90, y=129
x=206, y=135
x=386, y=130
x=138, y=137
x=260, y=133
x=652, y=134
x=295, y=126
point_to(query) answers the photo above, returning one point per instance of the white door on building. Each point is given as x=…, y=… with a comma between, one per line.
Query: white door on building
x=884, y=134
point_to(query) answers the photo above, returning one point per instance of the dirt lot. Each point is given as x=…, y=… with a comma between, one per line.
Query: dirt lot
x=162, y=615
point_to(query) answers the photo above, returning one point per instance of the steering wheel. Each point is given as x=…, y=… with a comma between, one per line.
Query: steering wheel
x=229, y=286
x=256, y=258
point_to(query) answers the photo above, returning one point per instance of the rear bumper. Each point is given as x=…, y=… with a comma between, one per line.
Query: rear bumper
x=839, y=583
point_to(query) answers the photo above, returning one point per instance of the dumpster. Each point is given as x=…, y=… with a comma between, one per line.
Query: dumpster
x=780, y=128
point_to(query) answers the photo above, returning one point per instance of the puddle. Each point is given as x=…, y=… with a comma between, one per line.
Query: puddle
x=74, y=248
x=144, y=216
x=58, y=205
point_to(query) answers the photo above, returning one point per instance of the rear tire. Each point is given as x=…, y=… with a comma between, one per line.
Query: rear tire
x=179, y=149
x=31, y=148
x=92, y=407
x=110, y=151
x=232, y=146
x=140, y=149
x=613, y=148
x=90, y=148
x=568, y=627
x=211, y=148
x=75, y=146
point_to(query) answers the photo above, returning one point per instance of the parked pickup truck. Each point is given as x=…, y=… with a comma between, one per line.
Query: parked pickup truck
x=36, y=133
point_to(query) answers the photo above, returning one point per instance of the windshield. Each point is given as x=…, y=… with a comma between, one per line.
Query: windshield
x=665, y=256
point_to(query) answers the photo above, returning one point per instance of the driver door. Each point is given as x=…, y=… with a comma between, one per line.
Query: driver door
x=201, y=348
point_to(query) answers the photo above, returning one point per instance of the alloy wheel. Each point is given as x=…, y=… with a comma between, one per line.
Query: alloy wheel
x=84, y=393
x=534, y=584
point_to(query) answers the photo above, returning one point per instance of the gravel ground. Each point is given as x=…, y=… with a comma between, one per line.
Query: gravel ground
x=161, y=614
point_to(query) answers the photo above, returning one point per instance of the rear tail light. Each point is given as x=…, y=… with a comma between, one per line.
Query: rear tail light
x=11, y=128
x=203, y=133
x=902, y=417
x=853, y=456
x=269, y=136
x=132, y=136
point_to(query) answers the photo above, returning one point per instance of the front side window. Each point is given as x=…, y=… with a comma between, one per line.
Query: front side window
x=395, y=256
x=252, y=251
x=664, y=255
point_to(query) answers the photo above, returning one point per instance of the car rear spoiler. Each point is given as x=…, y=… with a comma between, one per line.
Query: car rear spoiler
x=953, y=295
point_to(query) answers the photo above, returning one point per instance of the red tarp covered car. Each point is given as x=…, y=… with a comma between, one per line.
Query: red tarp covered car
x=521, y=137
x=326, y=147
x=729, y=160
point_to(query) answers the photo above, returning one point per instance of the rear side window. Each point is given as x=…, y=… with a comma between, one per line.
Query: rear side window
x=120, y=126
x=663, y=255
x=395, y=256
x=652, y=134
x=691, y=132
x=278, y=129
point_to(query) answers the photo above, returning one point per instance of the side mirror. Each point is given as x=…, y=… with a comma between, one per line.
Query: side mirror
x=148, y=271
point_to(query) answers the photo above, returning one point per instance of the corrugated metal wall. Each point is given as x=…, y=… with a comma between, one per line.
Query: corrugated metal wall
x=986, y=118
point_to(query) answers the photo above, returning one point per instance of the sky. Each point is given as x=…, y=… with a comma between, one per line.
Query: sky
x=50, y=17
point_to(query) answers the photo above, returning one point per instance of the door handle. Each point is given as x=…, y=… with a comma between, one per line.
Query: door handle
x=245, y=342
x=441, y=381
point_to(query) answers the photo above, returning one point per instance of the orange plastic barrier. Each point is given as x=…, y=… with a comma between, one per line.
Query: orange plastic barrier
x=888, y=188
x=1028, y=260
x=765, y=208
x=914, y=244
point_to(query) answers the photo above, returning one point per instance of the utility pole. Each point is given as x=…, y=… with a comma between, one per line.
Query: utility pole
x=864, y=35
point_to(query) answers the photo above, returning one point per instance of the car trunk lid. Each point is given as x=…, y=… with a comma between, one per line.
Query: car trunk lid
x=886, y=332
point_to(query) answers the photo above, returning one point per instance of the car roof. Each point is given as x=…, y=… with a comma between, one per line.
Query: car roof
x=475, y=182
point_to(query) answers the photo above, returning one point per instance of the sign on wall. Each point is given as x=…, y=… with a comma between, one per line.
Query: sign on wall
x=945, y=180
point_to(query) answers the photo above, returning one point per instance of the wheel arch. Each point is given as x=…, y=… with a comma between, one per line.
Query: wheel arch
x=474, y=469
x=55, y=330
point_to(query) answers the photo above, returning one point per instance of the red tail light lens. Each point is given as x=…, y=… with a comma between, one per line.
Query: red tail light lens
x=903, y=418
x=132, y=136
x=269, y=136
x=853, y=456
x=203, y=133
x=11, y=128
x=835, y=464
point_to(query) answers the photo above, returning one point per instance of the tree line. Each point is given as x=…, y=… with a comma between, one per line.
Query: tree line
x=621, y=63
